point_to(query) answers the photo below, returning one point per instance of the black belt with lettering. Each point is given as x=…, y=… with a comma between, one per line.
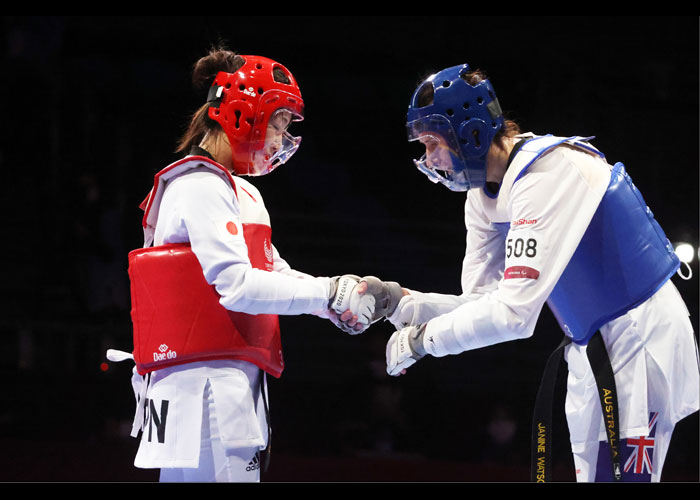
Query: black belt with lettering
x=541, y=454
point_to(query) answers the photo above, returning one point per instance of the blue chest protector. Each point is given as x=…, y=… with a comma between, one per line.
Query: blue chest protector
x=623, y=258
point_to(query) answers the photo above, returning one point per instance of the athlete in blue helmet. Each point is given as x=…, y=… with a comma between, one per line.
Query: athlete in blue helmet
x=549, y=220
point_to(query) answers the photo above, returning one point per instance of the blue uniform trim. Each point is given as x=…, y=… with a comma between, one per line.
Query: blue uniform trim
x=574, y=141
x=502, y=227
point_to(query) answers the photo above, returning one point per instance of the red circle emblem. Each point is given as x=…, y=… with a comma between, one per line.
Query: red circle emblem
x=232, y=228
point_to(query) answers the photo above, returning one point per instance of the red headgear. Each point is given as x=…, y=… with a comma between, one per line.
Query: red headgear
x=243, y=103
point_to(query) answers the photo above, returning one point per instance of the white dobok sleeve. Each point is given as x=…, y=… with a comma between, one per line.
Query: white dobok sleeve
x=197, y=207
x=558, y=196
x=281, y=266
x=417, y=307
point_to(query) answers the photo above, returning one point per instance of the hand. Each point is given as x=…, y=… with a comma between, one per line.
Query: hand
x=387, y=295
x=348, y=310
x=404, y=348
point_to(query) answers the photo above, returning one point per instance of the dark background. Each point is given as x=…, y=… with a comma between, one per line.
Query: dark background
x=91, y=109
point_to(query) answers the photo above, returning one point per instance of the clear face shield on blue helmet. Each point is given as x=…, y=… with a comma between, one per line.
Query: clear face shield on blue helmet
x=443, y=161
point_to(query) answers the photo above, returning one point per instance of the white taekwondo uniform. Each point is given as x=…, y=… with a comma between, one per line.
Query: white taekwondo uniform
x=652, y=347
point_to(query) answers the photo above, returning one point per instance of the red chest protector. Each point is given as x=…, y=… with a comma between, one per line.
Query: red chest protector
x=176, y=314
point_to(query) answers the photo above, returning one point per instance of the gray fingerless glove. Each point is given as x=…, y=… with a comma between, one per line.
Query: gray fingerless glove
x=387, y=295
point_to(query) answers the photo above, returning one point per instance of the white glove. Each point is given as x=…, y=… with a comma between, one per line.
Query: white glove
x=387, y=295
x=404, y=348
x=344, y=297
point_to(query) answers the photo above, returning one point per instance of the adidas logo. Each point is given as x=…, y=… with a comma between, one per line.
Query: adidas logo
x=254, y=464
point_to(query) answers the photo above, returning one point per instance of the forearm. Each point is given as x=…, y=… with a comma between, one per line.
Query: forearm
x=419, y=307
x=254, y=291
x=479, y=323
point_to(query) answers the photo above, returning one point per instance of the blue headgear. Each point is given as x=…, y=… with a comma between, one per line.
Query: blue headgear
x=465, y=118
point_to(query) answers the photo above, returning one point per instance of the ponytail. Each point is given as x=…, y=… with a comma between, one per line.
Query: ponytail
x=203, y=74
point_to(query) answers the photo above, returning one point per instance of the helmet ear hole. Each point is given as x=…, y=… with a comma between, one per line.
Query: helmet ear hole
x=237, y=114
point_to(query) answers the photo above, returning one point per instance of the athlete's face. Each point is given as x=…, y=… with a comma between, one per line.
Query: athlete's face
x=276, y=128
x=275, y=138
x=438, y=155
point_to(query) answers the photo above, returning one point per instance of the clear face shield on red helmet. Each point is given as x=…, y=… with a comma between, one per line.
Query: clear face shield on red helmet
x=278, y=144
x=442, y=161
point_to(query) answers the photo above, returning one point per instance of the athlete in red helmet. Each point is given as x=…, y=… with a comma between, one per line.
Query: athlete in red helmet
x=254, y=106
x=206, y=295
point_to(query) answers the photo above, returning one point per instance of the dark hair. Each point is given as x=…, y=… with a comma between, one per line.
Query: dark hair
x=205, y=70
x=203, y=74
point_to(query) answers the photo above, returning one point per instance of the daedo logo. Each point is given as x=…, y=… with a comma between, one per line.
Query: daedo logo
x=164, y=353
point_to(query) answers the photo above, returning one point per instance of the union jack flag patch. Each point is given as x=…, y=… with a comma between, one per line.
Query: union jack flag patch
x=636, y=457
x=641, y=450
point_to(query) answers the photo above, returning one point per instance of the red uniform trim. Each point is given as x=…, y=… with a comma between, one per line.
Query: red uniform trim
x=147, y=204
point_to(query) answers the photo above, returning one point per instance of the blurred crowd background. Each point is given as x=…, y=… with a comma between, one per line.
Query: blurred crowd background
x=91, y=109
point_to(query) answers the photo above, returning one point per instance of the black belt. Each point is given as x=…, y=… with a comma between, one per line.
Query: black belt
x=541, y=453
